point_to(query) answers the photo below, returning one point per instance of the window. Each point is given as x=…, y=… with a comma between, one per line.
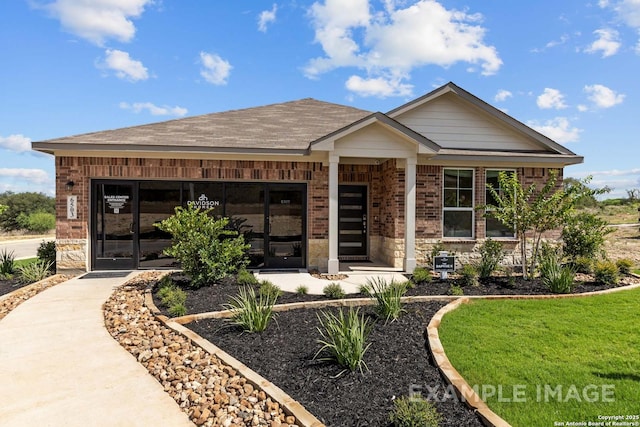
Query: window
x=495, y=228
x=458, y=203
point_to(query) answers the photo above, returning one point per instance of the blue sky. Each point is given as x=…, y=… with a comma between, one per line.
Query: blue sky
x=569, y=69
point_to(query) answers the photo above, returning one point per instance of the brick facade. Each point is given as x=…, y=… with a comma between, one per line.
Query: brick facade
x=385, y=182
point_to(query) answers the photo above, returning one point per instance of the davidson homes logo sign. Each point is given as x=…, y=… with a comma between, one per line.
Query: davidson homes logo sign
x=203, y=202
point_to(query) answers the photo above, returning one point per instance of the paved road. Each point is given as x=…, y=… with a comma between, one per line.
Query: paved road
x=27, y=248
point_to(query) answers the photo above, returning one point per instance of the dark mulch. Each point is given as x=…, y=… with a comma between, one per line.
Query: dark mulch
x=10, y=285
x=398, y=362
x=212, y=298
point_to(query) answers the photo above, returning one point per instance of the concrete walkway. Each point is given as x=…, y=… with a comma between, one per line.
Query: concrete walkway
x=60, y=367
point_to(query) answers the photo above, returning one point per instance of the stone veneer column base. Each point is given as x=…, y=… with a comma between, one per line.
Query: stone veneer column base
x=318, y=255
x=71, y=255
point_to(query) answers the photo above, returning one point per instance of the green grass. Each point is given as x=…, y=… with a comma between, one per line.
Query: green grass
x=584, y=345
x=22, y=262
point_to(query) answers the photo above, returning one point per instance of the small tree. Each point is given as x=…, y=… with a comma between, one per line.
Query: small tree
x=207, y=250
x=532, y=212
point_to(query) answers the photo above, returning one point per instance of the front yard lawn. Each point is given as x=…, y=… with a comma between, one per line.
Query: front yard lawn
x=540, y=362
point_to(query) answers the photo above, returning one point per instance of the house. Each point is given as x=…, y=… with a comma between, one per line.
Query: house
x=310, y=183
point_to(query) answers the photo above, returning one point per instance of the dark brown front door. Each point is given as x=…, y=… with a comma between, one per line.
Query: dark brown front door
x=284, y=237
x=352, y=222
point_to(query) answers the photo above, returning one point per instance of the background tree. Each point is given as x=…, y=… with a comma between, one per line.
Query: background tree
x=20, y=206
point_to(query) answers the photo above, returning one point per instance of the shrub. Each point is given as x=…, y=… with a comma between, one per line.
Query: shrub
x=172, y=297
x=491, y=254
x=7, y=262
x=435, y=251
x=414, y=412
x=205, y=248
x=250, y=311
x=558, y=278
x=302, y=290
x=456, y=290
x=34, y=272
x=47, y=252
x=582, y=264
x=344, y=338
x=606, y=272
x=421, y=275
x=624, y=265
x=364, y=289
x=334, y=290
x=268, y=289
x=246, y=278
x=469, y=275
x=583, y=235
x=387, y=296
x=40, y=222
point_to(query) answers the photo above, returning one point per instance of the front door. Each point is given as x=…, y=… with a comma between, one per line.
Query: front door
x=284, y=225
x=115, y=226
x=352, y=222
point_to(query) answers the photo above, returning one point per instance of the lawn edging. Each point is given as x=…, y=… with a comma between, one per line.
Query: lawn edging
x=453, y=377
x=290, y=406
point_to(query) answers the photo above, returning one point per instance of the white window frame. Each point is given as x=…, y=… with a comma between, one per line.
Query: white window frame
x=459, y=209
x=515, y=172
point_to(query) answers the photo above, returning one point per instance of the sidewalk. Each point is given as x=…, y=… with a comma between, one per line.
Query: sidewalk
x=60, y=367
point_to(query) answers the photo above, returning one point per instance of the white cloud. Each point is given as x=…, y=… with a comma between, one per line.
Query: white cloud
x=603, y=97
x=35, y=176
x=551, y=98
x=608, y=42
x=627, y=10
x=124, y=66
x=502, y=95
x=153, y=109
x=618, y=180
x=380, y=86
x=267, y=17
x=98, y=20
x=388, y=44
x=18, y=143
x=215, y=70
x=558, y=129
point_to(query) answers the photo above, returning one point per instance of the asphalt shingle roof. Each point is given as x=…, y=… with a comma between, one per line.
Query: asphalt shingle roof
x=285, y=126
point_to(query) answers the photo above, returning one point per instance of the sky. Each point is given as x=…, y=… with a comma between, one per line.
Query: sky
x=569, y=69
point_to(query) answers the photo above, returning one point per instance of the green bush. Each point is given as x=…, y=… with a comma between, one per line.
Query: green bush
x=491, y=254
x=344, y=338
x=7, y=263
x=624, y=265
x=414, y=412
x=421, y=275
x=250, y=311
x=34, y=272
x=583, y=235
x=558, y=278
x=582, y=264
x=606, y=272
x=21, y=205
x=302, y=290
x=172, y=297
x=246, y=278
x=270, y=290
x=40, y=222
x=456, y=290
x=435, y=251
x=205, y=248
x=469, y=275
x=47, y=252
x=388, y=297
x=334, y=290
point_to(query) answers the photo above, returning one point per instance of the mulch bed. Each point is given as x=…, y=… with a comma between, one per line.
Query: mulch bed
x=397, y=360
x=10, y=285
x=212, y=298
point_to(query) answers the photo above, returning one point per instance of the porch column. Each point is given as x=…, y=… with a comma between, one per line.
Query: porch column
x=334, y=265
x=410, y=214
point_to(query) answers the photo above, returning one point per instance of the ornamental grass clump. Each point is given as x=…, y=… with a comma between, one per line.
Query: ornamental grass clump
x=268, y=289
x=344, y=338
x=557, y=277
x=606, y=272
x=388, y=297
x=333, y=290
x=414, y=411
x=251, y=311
x=421, y=275
x=172, y=297
x=491, y=254
x=624, y=265
x=7, y=263
x=245, y=278
x=34, y=271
